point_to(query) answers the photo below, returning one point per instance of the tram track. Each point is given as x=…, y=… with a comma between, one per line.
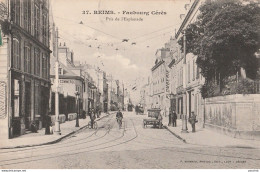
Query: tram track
x=37, y=156
x=123, y=137
x=43, y=147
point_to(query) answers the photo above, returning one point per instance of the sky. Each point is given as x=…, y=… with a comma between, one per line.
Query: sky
x=97, y=39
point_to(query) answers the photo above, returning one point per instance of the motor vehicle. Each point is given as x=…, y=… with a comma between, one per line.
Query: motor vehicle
x=153, y=120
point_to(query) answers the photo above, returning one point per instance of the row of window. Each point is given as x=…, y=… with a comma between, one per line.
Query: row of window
x=193, y=71
x=29, y=16
x=158, y=71
x=41, y=60
x=180, y=77
x=158, y=81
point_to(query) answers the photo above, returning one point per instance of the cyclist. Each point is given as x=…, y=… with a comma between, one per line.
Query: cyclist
x=119, y=117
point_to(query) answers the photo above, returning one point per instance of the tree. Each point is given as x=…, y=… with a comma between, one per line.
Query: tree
x=225, y=37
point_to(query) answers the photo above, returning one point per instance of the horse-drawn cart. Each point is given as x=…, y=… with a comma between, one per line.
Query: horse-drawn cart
x=154, y=120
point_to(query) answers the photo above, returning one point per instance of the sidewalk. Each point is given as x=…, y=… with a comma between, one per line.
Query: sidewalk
x=37, y=139
x=206, y=137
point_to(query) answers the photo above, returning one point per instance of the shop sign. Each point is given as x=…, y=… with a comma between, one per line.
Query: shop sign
x=66, y=81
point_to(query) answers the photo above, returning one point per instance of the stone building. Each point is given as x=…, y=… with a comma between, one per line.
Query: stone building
x=161, y=80
x=25, y=65
x=189, y=79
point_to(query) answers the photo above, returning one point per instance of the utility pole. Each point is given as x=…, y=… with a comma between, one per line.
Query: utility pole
x=123, y=97
x=57, y=123
x=184, y=117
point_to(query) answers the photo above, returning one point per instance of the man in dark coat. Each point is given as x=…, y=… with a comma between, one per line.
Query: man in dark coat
x=84, y=114
x=193, y=121
x=174, y=118
x=119, y=117
x=170, y=118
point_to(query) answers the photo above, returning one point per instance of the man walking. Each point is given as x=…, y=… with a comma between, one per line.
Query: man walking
x=174, y=118
x=92, y=117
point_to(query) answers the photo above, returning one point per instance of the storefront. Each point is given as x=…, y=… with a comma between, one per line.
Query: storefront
x=29, y=102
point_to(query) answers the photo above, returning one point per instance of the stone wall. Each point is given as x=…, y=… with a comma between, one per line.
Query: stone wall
x=236, y=115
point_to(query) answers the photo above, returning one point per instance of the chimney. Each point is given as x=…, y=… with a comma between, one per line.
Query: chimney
x=186, y=6
x=182, y=16
x=165, y=52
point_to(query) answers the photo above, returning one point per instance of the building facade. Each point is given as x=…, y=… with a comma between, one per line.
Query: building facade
x=189, y=79
x=161, y=80
x=25, y=65
x=69, y=84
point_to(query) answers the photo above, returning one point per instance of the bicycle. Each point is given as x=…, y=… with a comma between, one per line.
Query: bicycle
x=95, y=126
x=119, y=121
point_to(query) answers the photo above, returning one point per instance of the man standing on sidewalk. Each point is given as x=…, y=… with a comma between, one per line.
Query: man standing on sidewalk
x=193, y=121
x=170, y=118
x=174, y=118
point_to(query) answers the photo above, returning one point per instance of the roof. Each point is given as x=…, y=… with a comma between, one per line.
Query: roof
x=187, y=17
x=66, y=70
x=68, y=77
x=157, y=65
x=171, y=63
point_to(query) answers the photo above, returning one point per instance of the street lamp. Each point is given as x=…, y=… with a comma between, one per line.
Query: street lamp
x=57, y=122
x=184, y=117
x=77, y=120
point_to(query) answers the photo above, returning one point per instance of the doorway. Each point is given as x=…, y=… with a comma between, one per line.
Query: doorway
x=27, y=104
x=189, y=110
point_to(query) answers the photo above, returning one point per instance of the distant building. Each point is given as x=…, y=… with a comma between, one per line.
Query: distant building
x=105, y=93
x=69, y=84
x=161, y=78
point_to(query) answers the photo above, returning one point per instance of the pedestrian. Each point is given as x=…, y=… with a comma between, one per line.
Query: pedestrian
x=34, y=127
x=174, y=118
x=92, y=117
x=97, y=112
x=193, y=121
x=119, y=117
x=84, y=114
x=170, y=119
x=160, y=118
x=136, y=110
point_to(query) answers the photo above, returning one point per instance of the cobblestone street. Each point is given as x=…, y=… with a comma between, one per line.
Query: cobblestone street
x=132, y=146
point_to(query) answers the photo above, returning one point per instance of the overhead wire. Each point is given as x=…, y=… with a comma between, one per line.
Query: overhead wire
x=155, y=31
x=98, y=30
x=137, y=37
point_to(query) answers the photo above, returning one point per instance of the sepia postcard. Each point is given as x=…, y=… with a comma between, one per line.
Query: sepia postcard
x=129, y=84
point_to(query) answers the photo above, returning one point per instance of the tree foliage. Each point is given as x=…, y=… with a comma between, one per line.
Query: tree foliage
x=225, y=37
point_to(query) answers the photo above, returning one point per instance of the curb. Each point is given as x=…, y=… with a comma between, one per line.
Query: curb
x=54, y=141
x=176, y=135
